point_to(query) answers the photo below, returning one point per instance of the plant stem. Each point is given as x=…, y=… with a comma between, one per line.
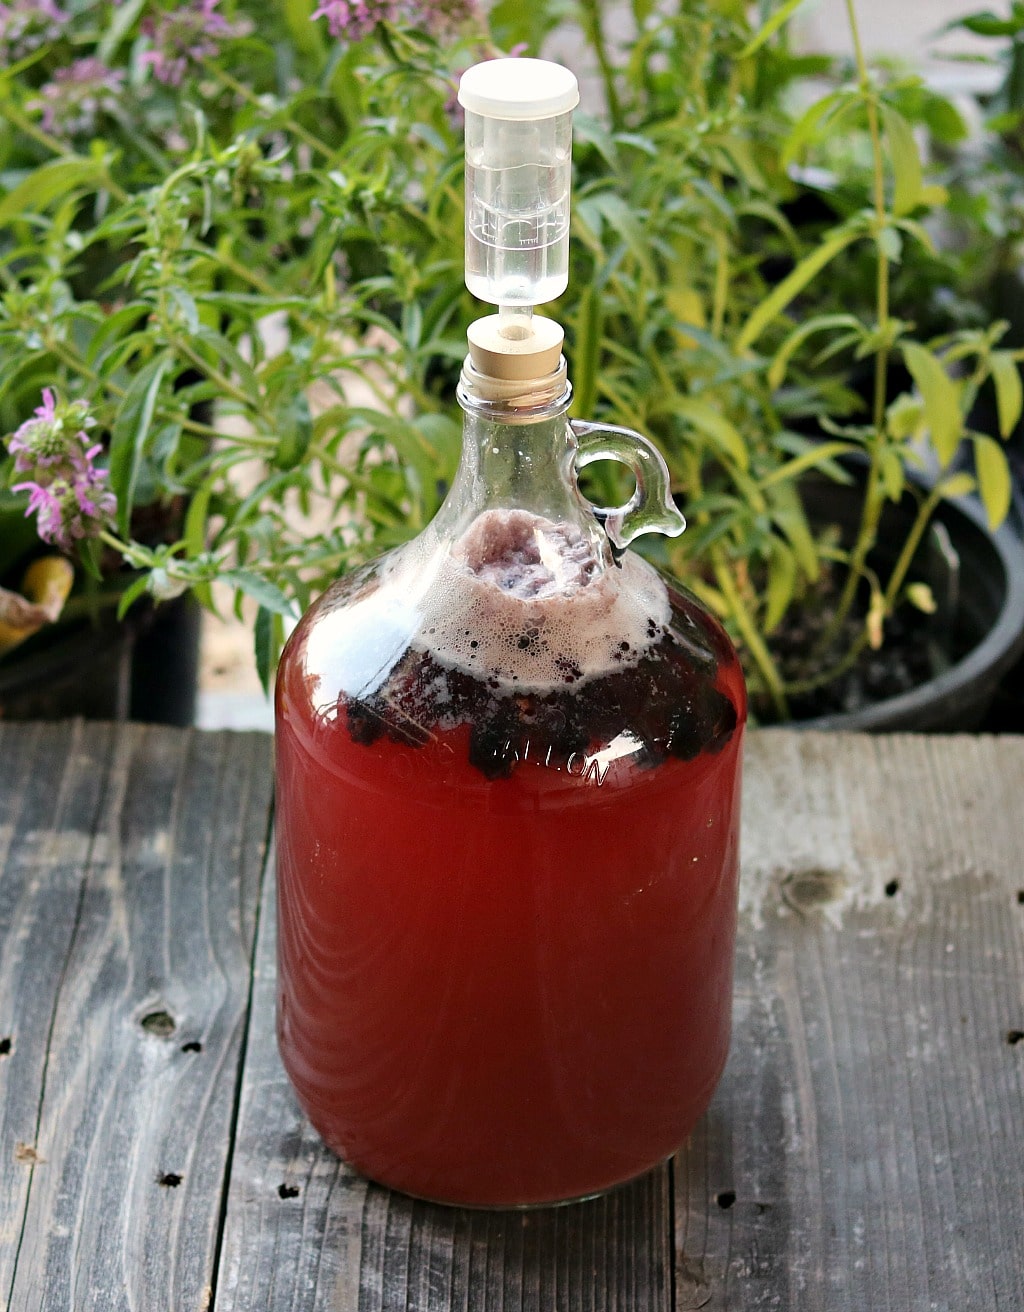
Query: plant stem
x=591, y=15
x=76, y=363
x=834, y=672
x=53, y=145
x=874, y=493
x=33, y=130
x=721, y=295
x=211, y=371
x=253, y=99
x=906, y=556
x=759, y=652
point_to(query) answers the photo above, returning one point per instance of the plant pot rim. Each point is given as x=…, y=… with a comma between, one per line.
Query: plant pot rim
x=932, y=703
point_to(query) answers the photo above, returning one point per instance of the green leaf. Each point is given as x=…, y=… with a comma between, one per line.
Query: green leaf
x=788, y=513
x=130, y=595
x=262, y=590
x=941, y=400
x=306, y=35
x=410, y=444
x=906, y=161
x=129, y=434
x=266, y=641
x=810, y=125
x=113, y=325
x=904, y=417
x=988, y=24
x=47, y=183
x=959, y=485
x=713, y=424
x=765, y=33
x=890, y=243
x=90, y=551
x=514, y=23
x=1009, y=397
x=782, y=575
x=296, y=427
x=187, y=308
x=820, y=454
x=227, y=353
x=893, y=474
x=624, y=222
x=589, y=327
x=808, y=268
x=820, y=323
x=994, y=482
x=921, y=596
x=117, y=25
x=412, y=325
x=194, y=537
x=592, y=132
x=444, y=437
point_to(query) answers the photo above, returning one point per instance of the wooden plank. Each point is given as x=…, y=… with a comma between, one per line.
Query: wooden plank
x=148, y=1010
x=304, y=1233
x=52, y=781
x=866, y=1146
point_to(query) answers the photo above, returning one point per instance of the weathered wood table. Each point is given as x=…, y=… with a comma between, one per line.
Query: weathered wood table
x=865, y=1150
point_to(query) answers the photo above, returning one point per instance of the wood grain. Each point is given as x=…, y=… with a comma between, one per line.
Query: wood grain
x=148, y=1002
x=52, y=785
x=864, y=1153
x=866, y=1147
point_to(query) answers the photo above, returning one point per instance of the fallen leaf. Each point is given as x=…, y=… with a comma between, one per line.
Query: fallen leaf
x=44, y=590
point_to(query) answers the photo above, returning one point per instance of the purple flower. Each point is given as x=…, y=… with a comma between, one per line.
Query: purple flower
x=68, y=509
x=185, y=35
x=77, y=95
x=52, y=436
x=25, y=25
x=443, y=17
x=67, y=493
x=351, y=20
x=46, y=505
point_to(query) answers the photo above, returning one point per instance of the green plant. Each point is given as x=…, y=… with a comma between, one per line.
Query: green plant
x=253, y=281
x=280, y=178
x=685, y=335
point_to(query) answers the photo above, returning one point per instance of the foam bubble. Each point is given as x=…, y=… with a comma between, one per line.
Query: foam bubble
x=526, y=603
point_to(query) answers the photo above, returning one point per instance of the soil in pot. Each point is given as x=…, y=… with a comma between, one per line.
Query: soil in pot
x=934, y=673
x=912, y=654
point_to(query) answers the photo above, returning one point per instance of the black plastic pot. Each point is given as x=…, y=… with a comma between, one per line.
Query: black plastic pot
x=986, y=624
x=145, y=668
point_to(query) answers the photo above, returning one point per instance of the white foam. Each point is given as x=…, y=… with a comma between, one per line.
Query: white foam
x=527, y=602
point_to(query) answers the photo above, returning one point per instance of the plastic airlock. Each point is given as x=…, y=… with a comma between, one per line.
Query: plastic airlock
x=518, y=174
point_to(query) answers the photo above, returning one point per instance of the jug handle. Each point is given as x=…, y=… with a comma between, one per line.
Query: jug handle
x=650, y=509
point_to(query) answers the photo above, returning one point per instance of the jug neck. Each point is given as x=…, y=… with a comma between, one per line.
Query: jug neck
x=518, y=456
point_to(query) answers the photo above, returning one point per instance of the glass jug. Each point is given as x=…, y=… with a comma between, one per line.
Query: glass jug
x=508, y=760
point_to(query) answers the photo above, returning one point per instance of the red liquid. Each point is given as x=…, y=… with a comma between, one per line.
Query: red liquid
x=504, y=990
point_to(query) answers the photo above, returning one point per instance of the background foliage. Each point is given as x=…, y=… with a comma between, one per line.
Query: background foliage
x=254, y=278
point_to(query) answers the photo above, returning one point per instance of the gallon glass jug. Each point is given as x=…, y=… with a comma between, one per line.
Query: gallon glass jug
x=508, y=763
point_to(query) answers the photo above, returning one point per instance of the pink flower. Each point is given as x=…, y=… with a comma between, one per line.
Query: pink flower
x=184, y=35
x=25, y=25
x=49, y=438
x=442, y=17
x=78, y=94
x=351, y=20
x=70, y=508
x=68, y=494
x=46, y=505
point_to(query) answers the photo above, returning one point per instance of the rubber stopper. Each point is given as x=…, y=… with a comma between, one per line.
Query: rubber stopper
x=516, y=348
